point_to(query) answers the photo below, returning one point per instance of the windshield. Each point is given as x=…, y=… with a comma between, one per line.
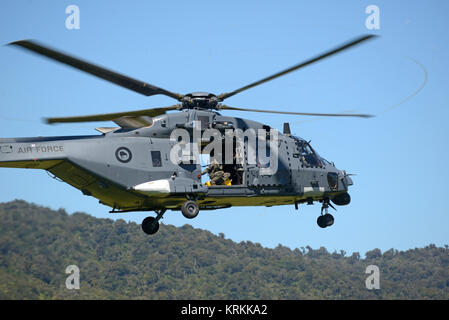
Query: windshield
x=307, y=155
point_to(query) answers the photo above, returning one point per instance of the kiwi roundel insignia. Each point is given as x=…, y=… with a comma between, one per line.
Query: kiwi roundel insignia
x=123, y=155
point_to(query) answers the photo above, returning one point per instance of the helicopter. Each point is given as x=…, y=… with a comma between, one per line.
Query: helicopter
x=139, y=165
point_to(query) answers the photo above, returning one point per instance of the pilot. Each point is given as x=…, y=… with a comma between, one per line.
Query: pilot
x=216, y=173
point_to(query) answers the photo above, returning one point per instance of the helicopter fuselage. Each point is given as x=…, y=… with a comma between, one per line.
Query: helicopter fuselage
x=132, y=170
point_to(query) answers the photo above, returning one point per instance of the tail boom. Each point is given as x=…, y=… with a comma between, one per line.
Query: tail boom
x=31, y=154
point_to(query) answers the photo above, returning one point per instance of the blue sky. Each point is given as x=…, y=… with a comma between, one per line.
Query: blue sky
x=398, y=200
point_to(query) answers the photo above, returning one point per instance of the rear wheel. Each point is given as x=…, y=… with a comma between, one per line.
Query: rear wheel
x=190, y=209
x=150, y=225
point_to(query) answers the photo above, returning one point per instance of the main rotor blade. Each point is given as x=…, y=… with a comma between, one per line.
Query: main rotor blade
x=108, y=75
x=113, y=116
x=225, y=107
x=345, y=46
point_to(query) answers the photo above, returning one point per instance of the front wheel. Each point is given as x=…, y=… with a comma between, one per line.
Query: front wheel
x=325, y=221
x=320, y=221
x=328, y=220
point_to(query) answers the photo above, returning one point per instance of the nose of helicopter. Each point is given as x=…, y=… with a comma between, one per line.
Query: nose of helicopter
x=346, y=178
x=349, y=181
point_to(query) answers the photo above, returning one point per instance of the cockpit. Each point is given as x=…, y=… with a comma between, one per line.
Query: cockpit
x=307, y=155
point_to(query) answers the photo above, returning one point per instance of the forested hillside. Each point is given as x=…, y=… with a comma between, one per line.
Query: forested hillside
x=118, y=261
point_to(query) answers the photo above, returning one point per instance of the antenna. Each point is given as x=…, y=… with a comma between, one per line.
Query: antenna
x=287, y=129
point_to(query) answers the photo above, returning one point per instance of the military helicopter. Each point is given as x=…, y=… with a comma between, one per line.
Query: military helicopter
x=130, y=167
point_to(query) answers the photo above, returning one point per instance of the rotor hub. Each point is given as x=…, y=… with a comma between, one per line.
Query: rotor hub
x=199, y=100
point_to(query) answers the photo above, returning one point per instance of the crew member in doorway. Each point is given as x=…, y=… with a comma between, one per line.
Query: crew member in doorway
x=216, y=173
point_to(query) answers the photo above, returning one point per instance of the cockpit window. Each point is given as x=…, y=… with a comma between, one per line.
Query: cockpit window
x=325, y=162
x=307, y=155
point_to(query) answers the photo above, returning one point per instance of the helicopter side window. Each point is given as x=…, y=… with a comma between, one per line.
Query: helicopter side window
x=156, y=158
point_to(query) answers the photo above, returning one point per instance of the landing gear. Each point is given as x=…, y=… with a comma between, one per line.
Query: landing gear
x=150, y=225
x=190, y=209
x=327, y=219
